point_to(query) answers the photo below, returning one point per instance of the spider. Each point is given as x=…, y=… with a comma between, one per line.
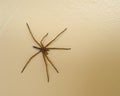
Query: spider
x=44, y=50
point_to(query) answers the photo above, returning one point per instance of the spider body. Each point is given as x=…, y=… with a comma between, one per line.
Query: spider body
x=44, y=50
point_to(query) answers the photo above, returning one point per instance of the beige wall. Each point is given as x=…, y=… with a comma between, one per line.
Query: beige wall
x=90, y=68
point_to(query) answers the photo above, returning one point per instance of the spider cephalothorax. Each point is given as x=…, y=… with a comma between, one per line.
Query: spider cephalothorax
x=44, y=50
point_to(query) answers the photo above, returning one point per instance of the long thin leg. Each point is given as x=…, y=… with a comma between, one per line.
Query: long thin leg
x=56, y=37
x=46, y=65
x=52, y=64
x=44, y=37
x=59, y=48
x=37, y=47
x=29, y=61
x=41, y=42
x=32, y=34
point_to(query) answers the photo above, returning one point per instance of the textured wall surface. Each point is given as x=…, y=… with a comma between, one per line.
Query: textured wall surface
x=90, y=68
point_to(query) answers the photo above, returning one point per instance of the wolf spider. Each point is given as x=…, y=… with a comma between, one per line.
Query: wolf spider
x=44, y=50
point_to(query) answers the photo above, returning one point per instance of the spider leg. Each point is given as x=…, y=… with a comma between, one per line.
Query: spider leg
x=59, y=48
x=41, y=42
x=44, y=37
x=29, y=61
x=56, y=37
x=51, y=63
x=46, y=65
x=32, y=35
x=37, y=47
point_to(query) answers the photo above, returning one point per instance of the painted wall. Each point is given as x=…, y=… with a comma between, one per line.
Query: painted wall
x=90, y=68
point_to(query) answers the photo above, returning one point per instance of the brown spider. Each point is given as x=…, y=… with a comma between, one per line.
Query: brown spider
x=44, y=49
